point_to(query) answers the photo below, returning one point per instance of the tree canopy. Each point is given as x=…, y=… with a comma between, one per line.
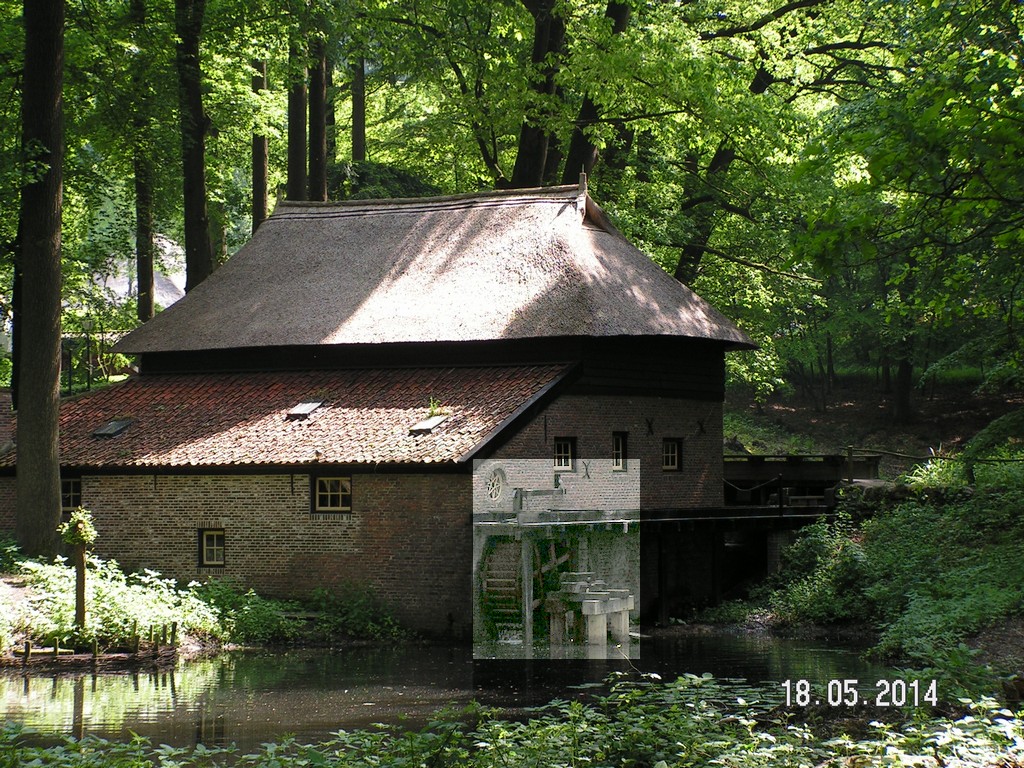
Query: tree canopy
x=843, y=177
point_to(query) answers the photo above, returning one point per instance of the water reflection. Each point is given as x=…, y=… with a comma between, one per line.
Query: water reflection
x=250, y=697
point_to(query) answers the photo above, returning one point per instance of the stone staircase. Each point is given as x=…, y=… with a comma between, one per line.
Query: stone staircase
x=502, y=595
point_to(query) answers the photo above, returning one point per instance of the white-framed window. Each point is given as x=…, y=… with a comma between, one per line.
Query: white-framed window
x=565, y=454
x=70, y=494
x=671, y=454
x=619, y=455
x=332, y=494
x=211, y=547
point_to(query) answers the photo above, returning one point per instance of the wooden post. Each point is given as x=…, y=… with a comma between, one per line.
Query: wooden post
x=79, y=557
x=56, y=646
x=28, y=650
x=174, y=634
x=849, y=463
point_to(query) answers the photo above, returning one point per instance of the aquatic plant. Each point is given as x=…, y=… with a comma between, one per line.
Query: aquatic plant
x=693, y=721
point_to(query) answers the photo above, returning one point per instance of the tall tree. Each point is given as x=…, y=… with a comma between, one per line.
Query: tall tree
x=260, y=153
x=188, y=24
x=318, y=120
x=535, y=133
x=143, y=167
x=38, y=322
x=583, y=150
x=297, y=109
x=358, y=66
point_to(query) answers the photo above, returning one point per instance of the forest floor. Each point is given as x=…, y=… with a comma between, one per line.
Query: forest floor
x=860, y=415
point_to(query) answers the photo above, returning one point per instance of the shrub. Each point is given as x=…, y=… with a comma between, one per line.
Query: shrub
x=353, y=612
x=822, y=576
x=118, y=604
x=248, y=618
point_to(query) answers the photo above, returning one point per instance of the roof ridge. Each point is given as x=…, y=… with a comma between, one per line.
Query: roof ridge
x=562, y=192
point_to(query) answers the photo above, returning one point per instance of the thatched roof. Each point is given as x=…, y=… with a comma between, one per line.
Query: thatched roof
x=502, y=265
x=360, y=417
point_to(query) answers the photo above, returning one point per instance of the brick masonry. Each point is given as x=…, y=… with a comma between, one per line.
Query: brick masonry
x=648, y=421
x=409, y=536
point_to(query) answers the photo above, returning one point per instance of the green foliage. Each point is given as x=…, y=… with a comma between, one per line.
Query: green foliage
x=759, y=436
x=120, y=604
x=691, y=722
x=352, y=612
x=10, y=556
x=823, y=574
x=729, y=612
x=367, y=181
x=929, y=571
x=248, y=618
x=78, y=530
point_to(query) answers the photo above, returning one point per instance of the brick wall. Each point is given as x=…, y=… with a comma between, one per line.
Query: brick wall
x=7, y=502
x=647, y=422
x=408, y=536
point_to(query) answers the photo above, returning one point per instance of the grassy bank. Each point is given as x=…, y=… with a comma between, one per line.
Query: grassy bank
x=690, y=722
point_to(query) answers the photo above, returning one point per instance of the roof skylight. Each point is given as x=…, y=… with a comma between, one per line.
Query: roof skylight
x=112, y=428
x=427, y=425
x=302, y=410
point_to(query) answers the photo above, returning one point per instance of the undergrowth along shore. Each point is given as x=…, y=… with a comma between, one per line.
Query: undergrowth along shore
x=121, y=606
x=693, y=721
x=928, y=565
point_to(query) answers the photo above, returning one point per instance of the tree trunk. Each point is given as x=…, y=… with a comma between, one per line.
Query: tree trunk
x=359, y=110
x=830, y=356
x=37, y=506
x=332, y=123
x=296, y=185
x=582, y=154
x=188, y=22
x=78, y=555
x=143, y=169
x=705, y=215
x=318, y=122
x=144, y=237
x=548, y=42
x=260, y=153
x=902, y=411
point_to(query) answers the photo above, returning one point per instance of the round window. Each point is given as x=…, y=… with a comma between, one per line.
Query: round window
x=496, y=485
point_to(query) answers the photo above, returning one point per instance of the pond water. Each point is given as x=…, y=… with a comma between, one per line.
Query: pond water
x=251, y=697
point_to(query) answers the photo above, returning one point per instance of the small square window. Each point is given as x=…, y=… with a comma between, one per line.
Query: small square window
x=672, y=454
x=70, y=494
x=211, y=547
x=565, y=454
x=619, y=451
x=333, y=494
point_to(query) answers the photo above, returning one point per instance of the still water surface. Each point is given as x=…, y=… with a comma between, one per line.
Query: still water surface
x=251, y=697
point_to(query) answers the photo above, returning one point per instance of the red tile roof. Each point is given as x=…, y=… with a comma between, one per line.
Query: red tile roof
x=240, y=419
